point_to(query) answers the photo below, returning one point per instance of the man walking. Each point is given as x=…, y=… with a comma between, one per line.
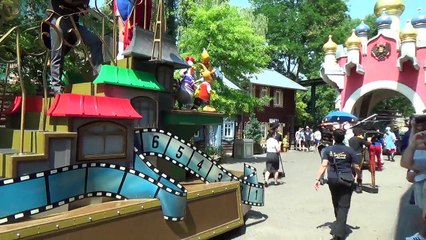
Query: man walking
x=338, y=159
x=358, y=144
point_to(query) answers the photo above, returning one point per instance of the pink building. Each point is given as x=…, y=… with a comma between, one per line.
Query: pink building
x=367, y=71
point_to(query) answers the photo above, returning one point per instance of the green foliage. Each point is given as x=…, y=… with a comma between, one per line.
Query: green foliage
x=399, y=104
x=233, y=102
x=32, y=52
x=253, y=129
x=215, y=153
x=230, y=39
x=302, y=116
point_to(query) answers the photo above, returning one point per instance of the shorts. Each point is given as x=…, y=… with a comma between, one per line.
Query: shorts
x=420, y=194
x=317, y=142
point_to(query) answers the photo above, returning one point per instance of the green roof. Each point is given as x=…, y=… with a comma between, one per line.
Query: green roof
x=113, y=75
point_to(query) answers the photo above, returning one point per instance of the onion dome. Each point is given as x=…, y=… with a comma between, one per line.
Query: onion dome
x=384, y=21
x=409, y=33
x=353, y=41
x=393, y=7
x=330, y=46
x=419, y=21
x=362, y=28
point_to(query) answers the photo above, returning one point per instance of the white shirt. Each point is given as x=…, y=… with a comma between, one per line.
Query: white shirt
x=317, y=135
x=272, y=145
x=419, y=158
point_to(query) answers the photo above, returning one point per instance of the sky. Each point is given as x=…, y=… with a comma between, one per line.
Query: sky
x=357, y=8
x=361, y=8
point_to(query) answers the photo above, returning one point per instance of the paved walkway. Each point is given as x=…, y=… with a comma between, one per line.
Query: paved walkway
x=295, y=210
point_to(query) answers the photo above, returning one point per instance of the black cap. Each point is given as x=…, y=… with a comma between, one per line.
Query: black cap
x=274, y=125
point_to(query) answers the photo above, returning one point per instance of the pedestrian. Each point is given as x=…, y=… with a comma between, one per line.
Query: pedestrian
x=389, y=144
x=298, y=137
x=308, y=138
x=317, y=137
x=414, y=159
x=375, y=151
x=69, y=11
x=358, y=144
x=338, y=159
x=272, y=154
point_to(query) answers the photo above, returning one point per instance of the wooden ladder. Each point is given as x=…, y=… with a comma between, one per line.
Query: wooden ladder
x=159, y=28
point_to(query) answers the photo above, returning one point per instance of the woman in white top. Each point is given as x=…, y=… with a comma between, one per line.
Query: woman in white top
x=272, y=155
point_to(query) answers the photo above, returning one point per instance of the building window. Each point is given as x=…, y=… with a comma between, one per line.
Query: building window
x=147, y=107
x=264, y=92
x=228, y=129
x=102, y=140
x=278, y=98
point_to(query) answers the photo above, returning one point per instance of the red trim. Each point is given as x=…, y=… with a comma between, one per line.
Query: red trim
x=75, y=105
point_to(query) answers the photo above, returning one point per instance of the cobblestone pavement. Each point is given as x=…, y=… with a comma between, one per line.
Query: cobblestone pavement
x=294, y=210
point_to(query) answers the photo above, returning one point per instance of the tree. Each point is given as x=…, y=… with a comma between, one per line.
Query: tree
x=233, y=102
x=227, y=36
x=253, y=129
x=399, y=104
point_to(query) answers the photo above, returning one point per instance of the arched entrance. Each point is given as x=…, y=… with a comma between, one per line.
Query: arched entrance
x=362, y=101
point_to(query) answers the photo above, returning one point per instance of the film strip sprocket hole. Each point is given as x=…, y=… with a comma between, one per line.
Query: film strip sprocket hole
x=163, y=144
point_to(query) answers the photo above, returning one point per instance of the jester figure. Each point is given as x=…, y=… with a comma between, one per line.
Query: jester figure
x=185, y=92
x=205, y=91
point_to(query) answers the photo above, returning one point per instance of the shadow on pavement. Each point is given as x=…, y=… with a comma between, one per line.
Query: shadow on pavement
x=254, y=217
x=330, y=225
x=255, y=159
x=408, y=217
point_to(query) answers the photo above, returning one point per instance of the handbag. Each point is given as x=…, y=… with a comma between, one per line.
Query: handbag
x=344, y=178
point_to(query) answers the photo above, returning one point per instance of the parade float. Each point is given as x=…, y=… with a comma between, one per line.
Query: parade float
x=109, y=158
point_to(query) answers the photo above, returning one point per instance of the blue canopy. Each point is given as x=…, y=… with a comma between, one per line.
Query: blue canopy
x=339, y=116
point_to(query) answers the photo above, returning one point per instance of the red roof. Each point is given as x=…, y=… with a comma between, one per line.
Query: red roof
x=76, y=105
x=33, y=104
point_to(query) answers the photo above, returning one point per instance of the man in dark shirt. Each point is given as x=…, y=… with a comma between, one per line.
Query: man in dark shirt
x=357, y=143
x=63, y=8
x=338, y=158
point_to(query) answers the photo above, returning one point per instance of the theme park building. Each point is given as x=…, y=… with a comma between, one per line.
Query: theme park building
x=367, y=71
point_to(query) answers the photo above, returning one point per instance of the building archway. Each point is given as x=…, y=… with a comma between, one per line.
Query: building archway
x=383, y=89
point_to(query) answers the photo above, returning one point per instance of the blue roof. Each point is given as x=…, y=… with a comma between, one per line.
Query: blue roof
x=273, y=78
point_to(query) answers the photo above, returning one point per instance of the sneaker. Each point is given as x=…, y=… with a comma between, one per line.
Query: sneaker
x=416, y=236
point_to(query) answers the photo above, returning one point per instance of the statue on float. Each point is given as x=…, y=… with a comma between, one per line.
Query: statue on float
x=186, y=89
x=204, y=90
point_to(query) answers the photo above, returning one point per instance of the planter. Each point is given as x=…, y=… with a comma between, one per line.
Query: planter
x=243, y=148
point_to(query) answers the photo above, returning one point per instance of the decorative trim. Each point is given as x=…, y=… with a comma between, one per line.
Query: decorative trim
x=415, y=98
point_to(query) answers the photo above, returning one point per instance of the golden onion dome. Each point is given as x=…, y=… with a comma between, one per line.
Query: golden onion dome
x=353, y=41
x=330, y=46
x=408, y=33
x=392, y=7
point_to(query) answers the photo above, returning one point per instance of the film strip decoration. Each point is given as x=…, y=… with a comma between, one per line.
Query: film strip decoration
x=39, y=192
x=163, y=144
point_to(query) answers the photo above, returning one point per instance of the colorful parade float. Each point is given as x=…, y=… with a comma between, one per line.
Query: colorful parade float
x=365, y=71
x=111, y=158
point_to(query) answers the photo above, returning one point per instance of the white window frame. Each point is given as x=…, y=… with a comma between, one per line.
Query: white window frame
x=278, y=98
x=264, y=92
x=228, y=129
